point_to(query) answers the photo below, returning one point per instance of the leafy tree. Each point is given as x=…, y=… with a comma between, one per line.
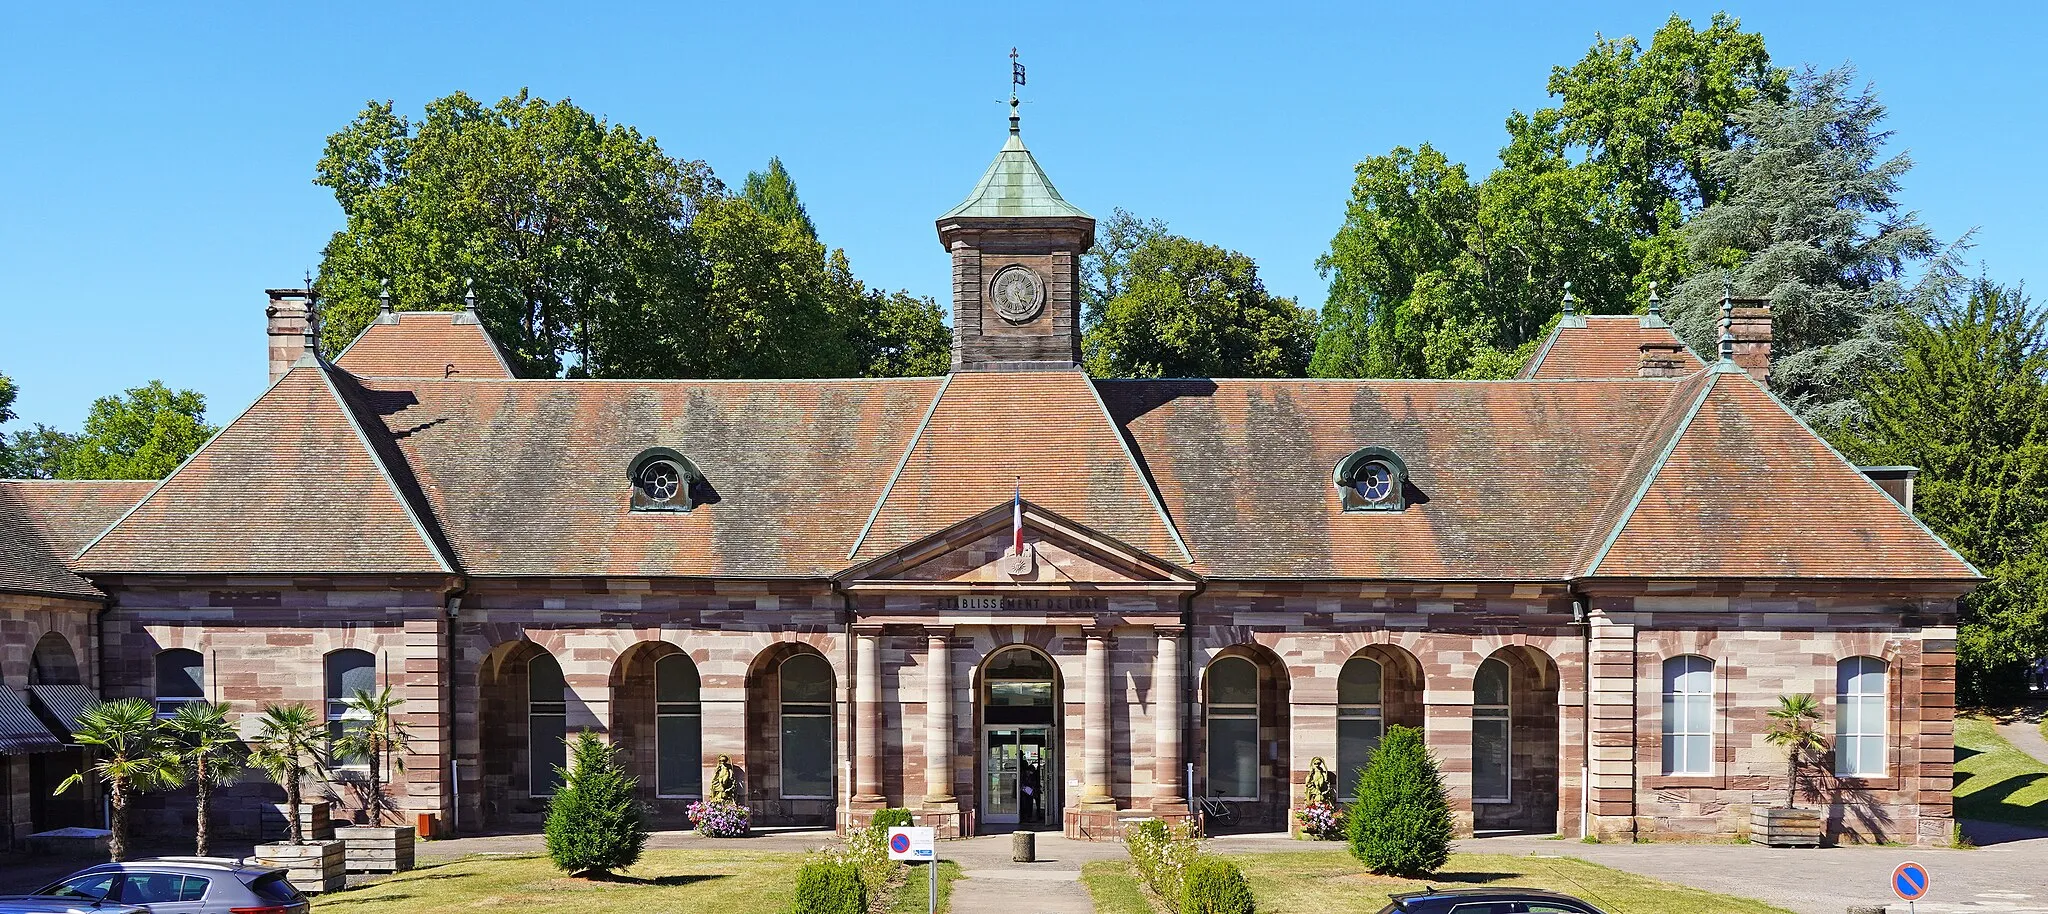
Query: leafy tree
x=1104, y=266
x=1795, y=725
x=375, y=734
x=1188, y=309
x=35, y=453
x=1811, y=220
x=287, y=745
x=212, y=753
x=7, y=394
x=1967, y=403
x=767, y=308
x=560, y=220
x=594, y=822
x=773, y=192
x=132, y=755
x=143, y=434
x=1400, y=823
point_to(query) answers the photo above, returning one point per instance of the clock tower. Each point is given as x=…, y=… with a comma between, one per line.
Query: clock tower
x=1016, y=247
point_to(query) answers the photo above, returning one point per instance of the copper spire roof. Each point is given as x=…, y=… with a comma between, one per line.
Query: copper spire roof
x=1014, y=186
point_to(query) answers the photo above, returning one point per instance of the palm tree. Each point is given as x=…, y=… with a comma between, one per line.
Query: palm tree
x=287, y=743
x=213, y=755
x=1795, y=724
x=374, y=733
x=134, y=756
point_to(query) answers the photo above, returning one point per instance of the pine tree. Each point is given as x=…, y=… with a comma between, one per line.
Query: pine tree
x=1401, y=822
x=594, y=823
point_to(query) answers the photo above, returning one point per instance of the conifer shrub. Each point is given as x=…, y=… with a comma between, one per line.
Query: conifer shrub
x=1215, y=886
x=829, y=887
x=594, y=823
x=1401, y=822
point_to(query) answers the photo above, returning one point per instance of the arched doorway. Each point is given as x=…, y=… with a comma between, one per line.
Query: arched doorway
x=1379, y=687
x=1018, y=702
x=54, y=677
x=1514, y=742
x=792, y=763
x=522, y=724
x=1243, y=748
x=657, y=718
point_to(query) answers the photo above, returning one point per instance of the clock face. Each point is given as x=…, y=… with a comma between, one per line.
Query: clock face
x=1018, y=292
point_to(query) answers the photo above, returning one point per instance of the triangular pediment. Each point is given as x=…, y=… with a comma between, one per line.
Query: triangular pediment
x=981, y=551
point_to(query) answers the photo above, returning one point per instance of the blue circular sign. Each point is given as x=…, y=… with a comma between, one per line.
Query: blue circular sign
x=1909, y=880
x=900, y=843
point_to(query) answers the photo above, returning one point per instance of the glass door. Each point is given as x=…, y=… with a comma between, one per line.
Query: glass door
x=1002, y=760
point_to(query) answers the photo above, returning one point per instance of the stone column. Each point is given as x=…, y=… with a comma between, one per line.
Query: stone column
x=424, y=685
x=1095, y=717
x=1169, y=769
x=938, y=718
x=867, y=716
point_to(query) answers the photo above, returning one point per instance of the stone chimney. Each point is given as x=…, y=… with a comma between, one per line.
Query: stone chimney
x=1749, y=322
x=1660, y=359
x=291, y=317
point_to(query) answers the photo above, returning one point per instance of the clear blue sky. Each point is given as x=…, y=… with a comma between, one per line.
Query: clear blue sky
x=156, y=165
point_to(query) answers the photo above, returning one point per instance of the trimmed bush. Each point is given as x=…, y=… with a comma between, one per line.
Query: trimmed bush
x=826, y=887
x=1401, y=822
x=1215, y=886
x=886, y=819
x=594, y=824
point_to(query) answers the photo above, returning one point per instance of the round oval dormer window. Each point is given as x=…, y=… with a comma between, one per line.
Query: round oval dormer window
x=661, y=480
x=1375, y=482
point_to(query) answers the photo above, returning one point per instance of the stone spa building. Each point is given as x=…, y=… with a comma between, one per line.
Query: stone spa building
x=1586, y=585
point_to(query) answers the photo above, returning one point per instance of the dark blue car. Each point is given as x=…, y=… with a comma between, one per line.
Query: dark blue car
x=1486, y=901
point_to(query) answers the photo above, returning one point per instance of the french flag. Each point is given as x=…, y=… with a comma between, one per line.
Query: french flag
x=1017, y=520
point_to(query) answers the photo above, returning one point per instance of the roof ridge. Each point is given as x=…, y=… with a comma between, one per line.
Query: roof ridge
x=889, y=487
x=1664, y=452
x=1144, y=475
x=412, y=513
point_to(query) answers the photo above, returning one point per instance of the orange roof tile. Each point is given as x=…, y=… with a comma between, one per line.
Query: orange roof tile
x=291, y=485
x=1747, y=491
x=44, y=522
x=1607, y=347
x=425, y=344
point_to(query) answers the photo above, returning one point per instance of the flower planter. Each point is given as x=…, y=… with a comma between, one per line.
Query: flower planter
x=377, y=848
x=314, y=867
x=314, y=821
x=1784, y=827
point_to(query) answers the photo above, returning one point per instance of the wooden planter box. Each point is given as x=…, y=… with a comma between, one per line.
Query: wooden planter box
x=314, y=867
x=1784, y=827
x=377, y=848
x=314, y=822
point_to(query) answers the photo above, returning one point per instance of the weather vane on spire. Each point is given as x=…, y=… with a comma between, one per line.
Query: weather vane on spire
x=1016, y=79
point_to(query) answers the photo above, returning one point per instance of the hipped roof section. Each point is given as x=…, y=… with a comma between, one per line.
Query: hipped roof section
x=45, y=522
x=424, y=344
x=1602, y=346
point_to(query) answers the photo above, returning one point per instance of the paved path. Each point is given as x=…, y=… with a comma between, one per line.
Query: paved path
x=2023, y=731
x=995, y=885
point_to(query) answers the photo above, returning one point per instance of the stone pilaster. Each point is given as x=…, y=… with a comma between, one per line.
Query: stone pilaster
x=1168, y=759
x=1612, y=756
x=867, y=716
x=938, y=718
x=426, y=688
x=1095, y=790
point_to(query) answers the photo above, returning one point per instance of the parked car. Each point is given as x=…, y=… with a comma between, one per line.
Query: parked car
x=46, y=904
x=184, y=885
x=1486, y=901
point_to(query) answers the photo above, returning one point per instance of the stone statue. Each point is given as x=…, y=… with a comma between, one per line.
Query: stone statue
x=725, y=783
x=1321, y=787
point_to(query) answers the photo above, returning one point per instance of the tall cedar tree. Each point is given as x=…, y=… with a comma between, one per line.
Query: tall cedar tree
x=1967, y=403
x=594, y=823
x=1175, y=307
x=1432, y=275
x=1811, y=220
x=1400, y=824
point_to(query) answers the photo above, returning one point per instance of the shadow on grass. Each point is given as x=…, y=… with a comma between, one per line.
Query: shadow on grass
x=665, y=881
x=1471, y=878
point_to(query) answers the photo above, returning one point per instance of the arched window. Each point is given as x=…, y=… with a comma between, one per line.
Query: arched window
x=348, y=672
x=1859, y=717
x=679, y=725
x=1492, y=751
x=547, y=724
x=1233, y=729
x=180, y=678
x=1689, y=715
x=1360, y=720
x=806, y=700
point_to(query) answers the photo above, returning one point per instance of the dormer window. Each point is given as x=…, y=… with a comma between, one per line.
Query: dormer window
x=1372, y=479
x=662, y=480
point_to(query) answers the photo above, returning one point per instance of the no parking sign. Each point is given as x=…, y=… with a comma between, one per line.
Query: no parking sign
x=915, y=844
x=1909, y=880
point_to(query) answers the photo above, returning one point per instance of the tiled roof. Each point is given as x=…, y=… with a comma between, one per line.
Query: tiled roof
x=291, y=485
x=43, y=524
x=424, y=344
x=1506, y=473
x=529, y=477
x=1606, y=347
x=1749, y=492
x=1014, y=186
x=1046, y=431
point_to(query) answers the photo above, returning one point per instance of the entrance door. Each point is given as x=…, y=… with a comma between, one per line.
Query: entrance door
x=1021, y=776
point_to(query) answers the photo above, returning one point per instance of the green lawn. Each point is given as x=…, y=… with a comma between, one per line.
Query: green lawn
x=723, y=882
x=1320, y=881
x=1996, y=782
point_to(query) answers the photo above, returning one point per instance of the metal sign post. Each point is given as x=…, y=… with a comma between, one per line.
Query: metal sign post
x=918, y=845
